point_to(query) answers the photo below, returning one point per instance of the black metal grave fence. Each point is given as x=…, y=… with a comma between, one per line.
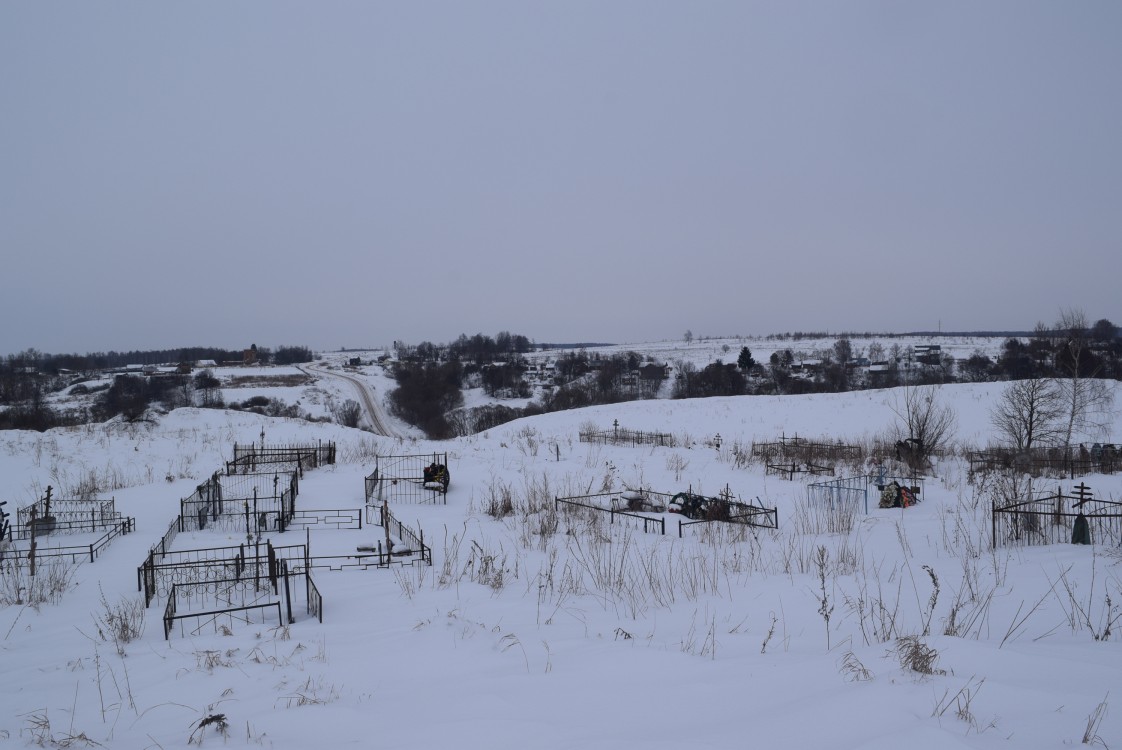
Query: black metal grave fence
x=409, y=542
x=252, y=458
x=399, y=479
x=732, y=511
x=788, y=471
x=807, y=451
x=69, y=516
x=158, y=573
x=621, y=436
x=630, y=505
x=854, y=491
x=1071, y=462
x=621, y=508
x=249, y=503
x=20, y=555
x=1053, y=517
x=238, y=599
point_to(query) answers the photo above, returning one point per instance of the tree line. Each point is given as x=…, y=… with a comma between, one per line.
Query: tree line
x=29, y=377
x=1069, y=351
x=31, y=360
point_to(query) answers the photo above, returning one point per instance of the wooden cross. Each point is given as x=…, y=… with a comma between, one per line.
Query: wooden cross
x=1083, y=494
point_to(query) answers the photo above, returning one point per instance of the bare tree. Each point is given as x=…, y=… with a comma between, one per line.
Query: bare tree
x=1087, y=400
x=348, y=413
x=929, y=423
x=1087, y=407
x=205, y=383
x=1030, y=413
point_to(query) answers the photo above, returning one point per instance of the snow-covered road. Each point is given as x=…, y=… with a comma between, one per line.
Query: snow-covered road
x=375, y=417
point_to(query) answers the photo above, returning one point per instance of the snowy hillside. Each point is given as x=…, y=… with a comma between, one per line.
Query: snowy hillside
x=539, y=627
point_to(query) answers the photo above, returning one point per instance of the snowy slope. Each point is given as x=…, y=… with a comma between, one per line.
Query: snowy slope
x=592, y=636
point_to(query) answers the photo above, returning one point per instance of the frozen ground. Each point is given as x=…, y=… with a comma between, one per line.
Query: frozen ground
x=587, y=634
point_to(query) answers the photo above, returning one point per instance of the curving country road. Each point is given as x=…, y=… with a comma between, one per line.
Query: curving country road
x=375, y=417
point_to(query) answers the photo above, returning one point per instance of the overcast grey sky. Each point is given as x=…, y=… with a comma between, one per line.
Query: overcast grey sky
x=350, y=173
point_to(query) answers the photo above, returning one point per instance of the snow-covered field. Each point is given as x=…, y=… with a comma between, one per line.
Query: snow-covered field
x=587, y=635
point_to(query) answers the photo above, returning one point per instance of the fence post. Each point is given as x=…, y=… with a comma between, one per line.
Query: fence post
x=993, y=522
x=31, y=554
x=273, y=566
x=288, y=596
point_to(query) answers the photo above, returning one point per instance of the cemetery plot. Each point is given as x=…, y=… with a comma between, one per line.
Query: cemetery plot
x=1099, y=458
x=251, y=458
x=249, y=503
x=854, y=492
x=806, y=451
x=88, y=525
x=49, y=514
x=223, y=604
x=692, y=508
x=788, y=471
x=1055, y=517
x=219, y=588
x=621, y=436
x=409, y=478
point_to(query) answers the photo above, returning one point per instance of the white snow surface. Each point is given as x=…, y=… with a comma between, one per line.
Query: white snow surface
x=593, y=639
